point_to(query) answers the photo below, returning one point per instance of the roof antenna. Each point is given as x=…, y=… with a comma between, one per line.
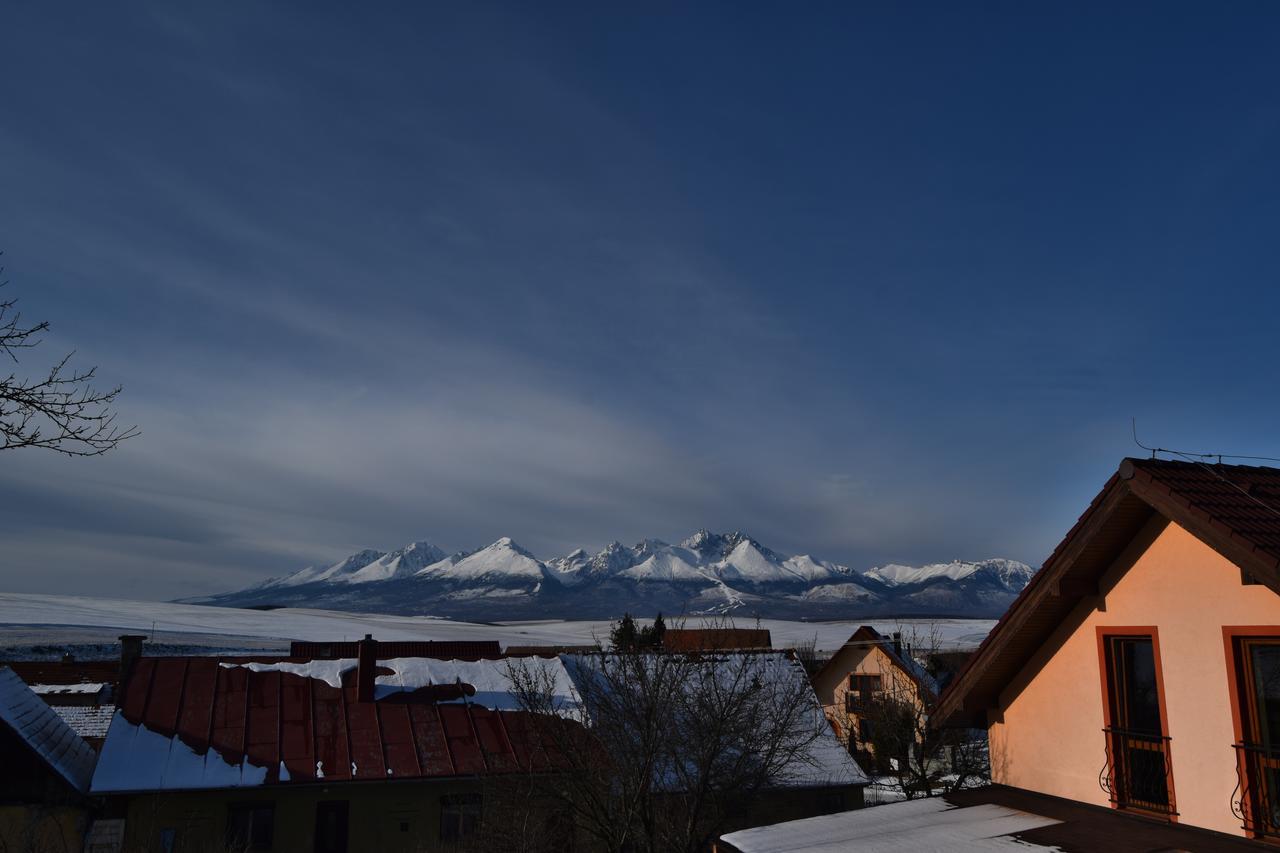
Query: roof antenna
x=1134, y=423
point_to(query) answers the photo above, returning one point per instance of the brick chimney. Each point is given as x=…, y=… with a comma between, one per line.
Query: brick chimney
x=366, y=667
x=897, y=643
x=130, y=651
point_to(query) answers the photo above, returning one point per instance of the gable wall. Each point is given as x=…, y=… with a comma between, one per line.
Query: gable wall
x=1046, y=734
x=832, y=684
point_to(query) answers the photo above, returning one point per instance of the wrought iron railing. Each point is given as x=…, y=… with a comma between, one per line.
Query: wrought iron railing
x=1256, y=798
x=1137, y=771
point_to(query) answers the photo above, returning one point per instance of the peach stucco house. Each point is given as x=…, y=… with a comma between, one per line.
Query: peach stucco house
x=1140, y=669
x=867, y=667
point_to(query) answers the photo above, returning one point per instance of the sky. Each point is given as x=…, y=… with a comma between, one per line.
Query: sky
x=871, y=281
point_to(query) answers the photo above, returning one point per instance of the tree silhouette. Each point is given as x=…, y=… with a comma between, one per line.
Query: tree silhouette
x=61, y=410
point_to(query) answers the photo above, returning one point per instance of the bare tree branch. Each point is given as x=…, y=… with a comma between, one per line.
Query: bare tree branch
x=667, y=749
x=62, y=411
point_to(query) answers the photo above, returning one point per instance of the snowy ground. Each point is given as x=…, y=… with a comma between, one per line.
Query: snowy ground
x=30, y=620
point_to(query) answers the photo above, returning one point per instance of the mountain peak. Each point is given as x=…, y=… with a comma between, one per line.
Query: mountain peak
x=707, y=572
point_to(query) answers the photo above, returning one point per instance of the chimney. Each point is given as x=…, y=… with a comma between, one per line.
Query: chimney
x=130, y=651
x=366, y=667
x=897, y=643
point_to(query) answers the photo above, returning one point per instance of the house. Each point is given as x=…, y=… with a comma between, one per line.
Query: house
x=81, y=692
x=308, y=754
x=716, y=639
x=869, y=668
x=337, y=754
x=1138, y=670
x=43, y=803
x=1128, y=693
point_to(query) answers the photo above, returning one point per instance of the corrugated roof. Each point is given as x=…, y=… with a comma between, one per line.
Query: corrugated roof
x=35, y=723
x=201, y=722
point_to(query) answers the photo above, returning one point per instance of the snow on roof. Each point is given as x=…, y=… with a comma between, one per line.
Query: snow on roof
x=85, y=687
x=917, y=826
x=86, y=720
x=134, y=758
x=490, y=678
x=44, y=731
x=198, y=723
x=828, y=763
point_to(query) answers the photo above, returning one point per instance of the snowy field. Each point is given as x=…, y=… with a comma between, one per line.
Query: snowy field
x=33, y=619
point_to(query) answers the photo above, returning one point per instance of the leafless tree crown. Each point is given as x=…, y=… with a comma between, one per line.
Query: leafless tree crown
x=663, y=750
x=60, y=410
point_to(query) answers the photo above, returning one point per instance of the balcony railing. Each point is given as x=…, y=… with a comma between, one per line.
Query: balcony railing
x=855, y=703
x=1137, y=772
x=1256, y=799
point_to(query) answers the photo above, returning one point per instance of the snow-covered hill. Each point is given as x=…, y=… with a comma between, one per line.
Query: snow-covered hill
x=706, y=573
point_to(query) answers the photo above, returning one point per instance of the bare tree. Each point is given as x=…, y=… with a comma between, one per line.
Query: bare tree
x=663, y=750
x=890, y=728
x=60, y=410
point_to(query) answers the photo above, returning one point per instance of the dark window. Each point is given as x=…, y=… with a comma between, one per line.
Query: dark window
x=865, y=686
x=331, y=827
x=459, y=816
x=862, y=689
x=1137, y=748
x=250, y=826
x=1258, y=673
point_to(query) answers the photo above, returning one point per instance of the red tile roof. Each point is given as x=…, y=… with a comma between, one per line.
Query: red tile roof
x=297, y=729
x=715, y=639
x=1242, y=502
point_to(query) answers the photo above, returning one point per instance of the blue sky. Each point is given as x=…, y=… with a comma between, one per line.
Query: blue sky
x=871, y=281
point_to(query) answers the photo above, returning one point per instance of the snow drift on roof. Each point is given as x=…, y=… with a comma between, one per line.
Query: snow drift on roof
x=44, y=731
x=490, y=678
x=910, y=827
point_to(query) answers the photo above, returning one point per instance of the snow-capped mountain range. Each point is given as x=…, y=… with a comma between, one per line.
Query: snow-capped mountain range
x=706, y=573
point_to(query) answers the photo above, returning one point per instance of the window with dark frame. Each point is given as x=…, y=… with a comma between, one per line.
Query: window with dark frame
x=250, y=826
x=459, y=816
x=863, y=688
x=1138, y=767
x=1257, y=661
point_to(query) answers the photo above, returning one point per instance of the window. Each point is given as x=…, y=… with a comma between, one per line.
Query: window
x=862, y=689
x=459, y=816
x=865, y=685
x=250, y=826
x=1257, y=664
x=331, y=827
x=1138, y=771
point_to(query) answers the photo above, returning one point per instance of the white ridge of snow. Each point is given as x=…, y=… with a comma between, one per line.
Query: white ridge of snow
x=399, y=563
x=338, y=571
x=898, y=575
x=502, y=559
x=36, y=613
x=668, y=563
